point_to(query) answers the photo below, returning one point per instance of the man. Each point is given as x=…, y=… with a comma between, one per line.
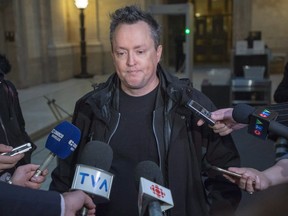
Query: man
x=17, y=200
x=140, y=112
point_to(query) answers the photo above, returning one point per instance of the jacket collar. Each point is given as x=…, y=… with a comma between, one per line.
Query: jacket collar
x=107, y=94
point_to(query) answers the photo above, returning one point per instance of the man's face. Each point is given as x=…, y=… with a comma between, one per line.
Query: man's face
x=135, y=58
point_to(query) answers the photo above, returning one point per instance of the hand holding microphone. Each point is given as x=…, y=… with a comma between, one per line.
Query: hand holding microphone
x=61, y=142
x=224, y=122
x=91, y=174
x=22, y=176
x=261, y=121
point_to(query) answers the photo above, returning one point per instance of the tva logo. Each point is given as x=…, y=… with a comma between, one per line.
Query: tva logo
x=265, y=113
x=258, y=127
x=96, y=181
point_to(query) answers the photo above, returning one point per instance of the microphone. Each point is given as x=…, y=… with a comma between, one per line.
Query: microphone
x=201, y=111
x=91, y=174
x=61, y=142
x=261, y=121
x=151, y=192
x=196, y=108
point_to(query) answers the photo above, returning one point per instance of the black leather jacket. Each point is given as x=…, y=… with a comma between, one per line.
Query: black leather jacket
x=181, y=145
x=12, y=124
x=281, y=93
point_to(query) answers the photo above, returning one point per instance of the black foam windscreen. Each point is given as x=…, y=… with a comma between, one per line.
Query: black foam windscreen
x=97, y=154
x=150, y=171
x=241, y=113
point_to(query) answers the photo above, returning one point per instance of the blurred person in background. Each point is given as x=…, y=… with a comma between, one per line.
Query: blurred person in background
x=12, y=124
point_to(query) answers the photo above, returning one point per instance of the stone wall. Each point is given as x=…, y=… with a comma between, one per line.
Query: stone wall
x=46, y=45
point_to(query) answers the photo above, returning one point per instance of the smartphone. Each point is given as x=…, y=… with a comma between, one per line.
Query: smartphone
x=18, y=150
x=227, y=172
x=200, y=110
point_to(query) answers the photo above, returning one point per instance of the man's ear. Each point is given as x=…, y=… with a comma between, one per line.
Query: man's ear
x=159, y=53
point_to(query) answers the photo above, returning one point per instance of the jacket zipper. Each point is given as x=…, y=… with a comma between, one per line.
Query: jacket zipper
x=119, y=115
x=4, y=130
x=157, y=141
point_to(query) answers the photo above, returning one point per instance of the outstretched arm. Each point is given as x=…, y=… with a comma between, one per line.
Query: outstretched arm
x=254, y=180
x=225, y=124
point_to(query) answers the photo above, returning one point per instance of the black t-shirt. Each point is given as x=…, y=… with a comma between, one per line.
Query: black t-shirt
x=132, y=142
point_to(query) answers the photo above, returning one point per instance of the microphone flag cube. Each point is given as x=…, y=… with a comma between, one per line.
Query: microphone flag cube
x=152, y=191
x=94, y=181
x=260, y=121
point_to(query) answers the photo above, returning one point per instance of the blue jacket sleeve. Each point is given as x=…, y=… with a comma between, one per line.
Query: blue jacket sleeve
x=16, y=200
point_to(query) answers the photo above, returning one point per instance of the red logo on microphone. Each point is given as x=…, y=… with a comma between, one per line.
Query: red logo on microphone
x=157, y=191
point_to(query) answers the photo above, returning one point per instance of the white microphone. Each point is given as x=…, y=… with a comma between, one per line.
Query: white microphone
x=91, y=175
x=151, y=192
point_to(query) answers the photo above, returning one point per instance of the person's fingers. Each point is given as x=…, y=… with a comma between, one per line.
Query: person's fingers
x=89, y=202
x=200, y=122
x=32, y=185
x=239, y=170
x=257, y=183
x=226, y=132
x=217, y=115
x=250, y=184
x=45, y=172
x=8, y=162
x=11, y=159
x=39, y=179
x=5, y=148
x=222, y=129
x=243, y=182
x=230, y=178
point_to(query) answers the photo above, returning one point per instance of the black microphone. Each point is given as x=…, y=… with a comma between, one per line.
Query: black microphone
x=261, y=121
x=152, y=194
x=91, y=175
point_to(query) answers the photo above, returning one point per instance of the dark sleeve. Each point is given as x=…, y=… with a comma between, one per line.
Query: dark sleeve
x=21, y=122
x=16, y=200
x=223, y=195
x=222, y=152
x=281, y=93
x=18, y=112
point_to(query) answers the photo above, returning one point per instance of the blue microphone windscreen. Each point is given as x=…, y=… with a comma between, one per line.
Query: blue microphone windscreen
x=63, y=139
